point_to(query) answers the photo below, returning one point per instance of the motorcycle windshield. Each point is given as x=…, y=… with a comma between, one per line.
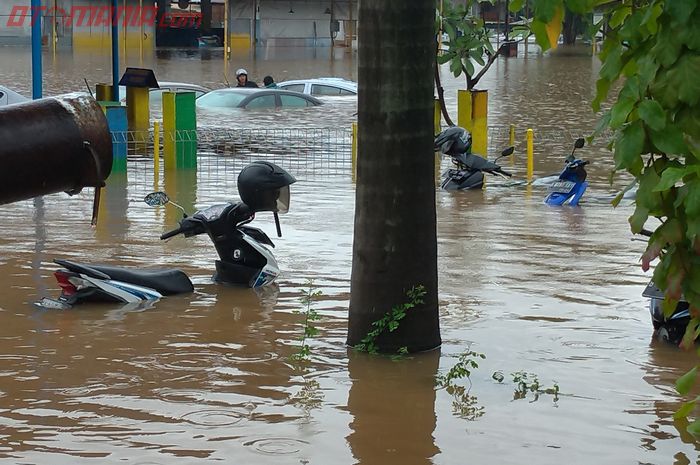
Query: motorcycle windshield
x=283, y=200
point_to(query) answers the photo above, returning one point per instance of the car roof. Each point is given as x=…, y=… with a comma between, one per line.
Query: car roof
x=265, y=91
x=323, y=80
x=12, y=96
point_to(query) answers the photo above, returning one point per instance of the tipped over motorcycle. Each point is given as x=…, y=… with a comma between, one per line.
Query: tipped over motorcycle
x=669, y=327
x=469, y=168
x=571, y=183
x=245, y=255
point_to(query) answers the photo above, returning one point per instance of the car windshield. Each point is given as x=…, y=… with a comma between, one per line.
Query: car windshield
x=221, y=99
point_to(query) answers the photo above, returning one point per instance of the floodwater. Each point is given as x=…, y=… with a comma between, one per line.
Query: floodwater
x=554, y=292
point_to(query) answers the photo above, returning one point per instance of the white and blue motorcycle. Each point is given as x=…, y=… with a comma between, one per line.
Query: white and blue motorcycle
x=245, y=255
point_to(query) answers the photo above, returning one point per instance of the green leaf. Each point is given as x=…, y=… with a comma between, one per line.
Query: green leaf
x=668, y=46
x=638, y=218
x=651, y=113
x=646, y=70
x=516, y=5
x=619, y=112
x=688, y=119
x=619, y=16
x=602, y=87
x=694, y=428
x=685, y=382
x=692, y=200
x=680, y=10
x=470, y=67
x=685, y=410
x=684, y=78
x=669, y=141
x=613, y=64
x=539, y=28
x=669, y=178
x=456, y=66
x=651, y=17
x=545, y=9
x=628, y=148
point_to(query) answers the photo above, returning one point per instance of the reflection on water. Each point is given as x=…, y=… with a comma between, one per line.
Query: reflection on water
x=550, y=291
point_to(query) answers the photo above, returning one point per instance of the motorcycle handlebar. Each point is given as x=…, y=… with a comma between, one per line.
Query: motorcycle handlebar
x=170, y=234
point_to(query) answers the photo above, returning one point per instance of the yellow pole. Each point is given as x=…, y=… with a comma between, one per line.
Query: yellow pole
x=530, y=155
x=511, y=138
x=437, y=118
x=480, y=142
x=354, y=150
x=226, y=37
x=464, y=109
x=156, y=152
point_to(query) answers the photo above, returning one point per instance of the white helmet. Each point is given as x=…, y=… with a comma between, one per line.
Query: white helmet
x=241, y=71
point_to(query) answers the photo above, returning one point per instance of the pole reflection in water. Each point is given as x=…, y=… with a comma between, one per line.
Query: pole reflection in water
x=393, y=405
x=113, y=222
x=181, y=187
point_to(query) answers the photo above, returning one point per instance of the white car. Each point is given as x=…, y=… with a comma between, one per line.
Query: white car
x=321, y=87
x=9, y=96
x=156, y=95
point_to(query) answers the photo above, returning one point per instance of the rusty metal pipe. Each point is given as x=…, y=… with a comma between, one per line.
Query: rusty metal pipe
x=59, y=144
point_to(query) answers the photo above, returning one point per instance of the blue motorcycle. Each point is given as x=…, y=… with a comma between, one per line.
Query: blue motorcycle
x=571, y=184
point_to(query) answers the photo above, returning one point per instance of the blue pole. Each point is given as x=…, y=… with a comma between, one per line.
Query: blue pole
x=115, y=51
x=36, y=50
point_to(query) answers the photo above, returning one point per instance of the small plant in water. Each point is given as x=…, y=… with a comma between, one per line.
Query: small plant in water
x=526, y=383
x=464, y=405
x=309, y=295
x=391, y=321
x=462, y=369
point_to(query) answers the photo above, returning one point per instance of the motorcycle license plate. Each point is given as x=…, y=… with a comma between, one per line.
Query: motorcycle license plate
x=562, y=186
x=52, y=304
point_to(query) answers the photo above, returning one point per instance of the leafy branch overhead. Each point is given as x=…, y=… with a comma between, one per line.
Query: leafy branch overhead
x=468, y=43
x=654, y=46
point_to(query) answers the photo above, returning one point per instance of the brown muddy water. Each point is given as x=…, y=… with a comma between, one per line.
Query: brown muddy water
x=554, y=292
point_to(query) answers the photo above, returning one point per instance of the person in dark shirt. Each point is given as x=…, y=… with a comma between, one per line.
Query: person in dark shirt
x=269, y=82
x=242, y=78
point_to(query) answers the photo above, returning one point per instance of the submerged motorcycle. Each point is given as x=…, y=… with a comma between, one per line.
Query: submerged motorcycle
x=244, y=252
x=669, y=328
x=571, y=184
x=469, y=172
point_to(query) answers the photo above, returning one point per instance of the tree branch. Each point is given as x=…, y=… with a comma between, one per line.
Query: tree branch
x=471, y=83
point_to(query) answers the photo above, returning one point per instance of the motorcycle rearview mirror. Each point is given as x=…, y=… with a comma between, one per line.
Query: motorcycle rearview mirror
x=159, y=199
x=506, y=152
x=580, y=142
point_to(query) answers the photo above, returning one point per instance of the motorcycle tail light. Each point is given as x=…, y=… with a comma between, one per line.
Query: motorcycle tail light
x=67, y=287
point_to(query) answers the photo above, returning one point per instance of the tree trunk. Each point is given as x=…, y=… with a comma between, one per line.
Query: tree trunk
x=395, y=243
x=570, y=27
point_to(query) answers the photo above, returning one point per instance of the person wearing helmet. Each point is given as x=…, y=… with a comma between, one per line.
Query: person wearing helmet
x=242, y=79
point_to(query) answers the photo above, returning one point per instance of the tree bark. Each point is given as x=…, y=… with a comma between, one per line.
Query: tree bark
x=570, y=27
x=206, y=17
x=395, y=243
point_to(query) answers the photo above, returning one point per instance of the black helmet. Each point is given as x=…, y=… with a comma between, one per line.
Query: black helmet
x=454, y=141
x=264, y=186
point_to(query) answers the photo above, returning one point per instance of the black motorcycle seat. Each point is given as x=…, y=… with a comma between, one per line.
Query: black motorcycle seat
x=167, y=281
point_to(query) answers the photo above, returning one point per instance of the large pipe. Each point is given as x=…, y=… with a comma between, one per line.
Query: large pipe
x=59, y=144
x=115, y=50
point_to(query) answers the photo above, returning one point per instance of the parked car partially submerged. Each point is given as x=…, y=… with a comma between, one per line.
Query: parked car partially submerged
x=255, y=98
x=9, y=96
x=156, y=95
x=321, y=87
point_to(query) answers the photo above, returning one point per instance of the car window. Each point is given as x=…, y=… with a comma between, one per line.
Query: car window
x=292, y=101
x=294, y=87
x=347, y=92
x=2, y=94
x=319, y=89
x=221, y=99
x=263, y=101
